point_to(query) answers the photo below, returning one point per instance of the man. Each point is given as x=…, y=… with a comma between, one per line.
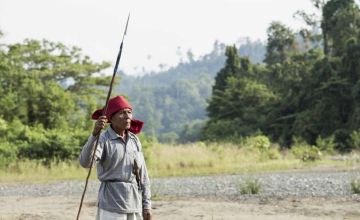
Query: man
x=124, y=192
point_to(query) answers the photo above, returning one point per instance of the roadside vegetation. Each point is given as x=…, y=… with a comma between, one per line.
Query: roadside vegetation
x=251, y=155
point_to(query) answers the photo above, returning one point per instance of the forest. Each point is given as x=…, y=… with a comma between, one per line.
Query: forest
x=298, y=86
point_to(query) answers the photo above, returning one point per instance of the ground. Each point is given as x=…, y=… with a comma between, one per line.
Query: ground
x=60, y=207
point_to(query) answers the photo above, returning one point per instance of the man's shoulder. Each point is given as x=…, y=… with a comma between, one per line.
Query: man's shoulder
x=105, y=135
x=135, y=139
x=133, y=136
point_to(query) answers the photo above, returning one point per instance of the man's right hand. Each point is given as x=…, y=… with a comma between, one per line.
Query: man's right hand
x=147, y=215
x=99, y=124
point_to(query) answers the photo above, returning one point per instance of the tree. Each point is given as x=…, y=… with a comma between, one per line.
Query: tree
x=48, y=91
x=239, y=102
x=341, y=21
x=35, y=81
x=281, y=43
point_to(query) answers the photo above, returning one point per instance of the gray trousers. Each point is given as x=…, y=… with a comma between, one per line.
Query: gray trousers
x=106, y=215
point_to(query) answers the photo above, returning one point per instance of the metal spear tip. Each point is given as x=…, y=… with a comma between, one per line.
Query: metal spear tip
x=127, y=23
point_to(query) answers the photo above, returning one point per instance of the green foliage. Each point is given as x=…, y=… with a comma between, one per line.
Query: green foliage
x=308, y=91
x=301, y=150
x=56, y=83
x=239, y=106
x=192, y=131
x=147, y=142
x=355, y=186
x=281, y=43
x=169, y=137
x=8, y=153
x=263, y=144
x=48, y=145
x=47, y=92
x=342, y=137
x=249, y=186
x=341, y=20
x=175, y=99
x=355, y=140
x=313, y=92
x=260, y=142
x=326, y=144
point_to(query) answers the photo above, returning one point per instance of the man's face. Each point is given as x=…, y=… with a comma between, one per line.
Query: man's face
x=122, y=119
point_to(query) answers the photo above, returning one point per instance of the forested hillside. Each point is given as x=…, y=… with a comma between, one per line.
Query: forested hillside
x=173, y=103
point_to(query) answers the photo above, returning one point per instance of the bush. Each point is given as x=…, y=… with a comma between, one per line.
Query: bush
x=355, y=186
x=273, y=153
x=8, y=153
x=263, y=145
x=326, y=144
x=250, y=186
x=355, y=140
x=48, y=145
x=260, y=142
x=301, y=150
x=306, y=153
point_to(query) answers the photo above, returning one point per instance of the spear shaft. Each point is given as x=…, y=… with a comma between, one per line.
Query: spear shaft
x=103, y=113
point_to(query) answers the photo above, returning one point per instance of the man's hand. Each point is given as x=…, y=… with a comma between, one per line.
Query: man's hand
x=100, y=124
x=147, y=215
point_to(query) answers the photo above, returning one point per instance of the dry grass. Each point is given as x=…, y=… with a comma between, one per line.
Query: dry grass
x=177, y=160
x=199, y=159
x=33, y=171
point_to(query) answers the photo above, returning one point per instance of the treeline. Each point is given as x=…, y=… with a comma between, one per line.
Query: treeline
x=309, y=91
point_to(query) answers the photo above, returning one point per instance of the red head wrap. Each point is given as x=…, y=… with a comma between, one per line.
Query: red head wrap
x=116, y=104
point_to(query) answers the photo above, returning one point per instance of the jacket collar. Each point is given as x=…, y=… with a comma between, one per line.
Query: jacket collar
x=113, y=135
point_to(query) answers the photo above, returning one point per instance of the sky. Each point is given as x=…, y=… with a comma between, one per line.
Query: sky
x=159, y=32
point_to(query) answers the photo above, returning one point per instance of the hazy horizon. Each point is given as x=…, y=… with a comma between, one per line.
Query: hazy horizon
x=159, y=31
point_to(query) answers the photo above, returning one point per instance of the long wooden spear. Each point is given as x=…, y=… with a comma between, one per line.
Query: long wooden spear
x=103, y=113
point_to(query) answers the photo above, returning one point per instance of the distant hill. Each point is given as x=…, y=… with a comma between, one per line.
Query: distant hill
x=173, y=101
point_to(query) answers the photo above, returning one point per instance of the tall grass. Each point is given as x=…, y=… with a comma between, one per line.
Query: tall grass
x=175, y=160
x=199, y=159
x=36, y=171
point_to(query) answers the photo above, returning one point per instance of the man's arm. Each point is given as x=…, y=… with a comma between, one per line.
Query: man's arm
x=86, y=152
x=146, y=193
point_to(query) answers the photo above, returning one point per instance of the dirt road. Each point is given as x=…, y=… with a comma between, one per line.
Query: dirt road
x=60, y=207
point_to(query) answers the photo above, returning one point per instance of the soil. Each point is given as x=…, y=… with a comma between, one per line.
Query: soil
x=61, y=207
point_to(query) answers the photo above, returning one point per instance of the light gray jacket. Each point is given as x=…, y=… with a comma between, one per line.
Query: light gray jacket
x=118, y=191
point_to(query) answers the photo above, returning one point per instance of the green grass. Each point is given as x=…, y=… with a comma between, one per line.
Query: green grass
x=34, y=171
x=178, y=160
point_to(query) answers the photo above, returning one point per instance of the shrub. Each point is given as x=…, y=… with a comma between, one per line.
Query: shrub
x=273, y=153
x=355, y=186
x=250, y=186
x=355, y=140
x=260, y=142
x=50, y=144
x=306, y=153
x=301, y=150
x=7, y=153
x=326, y=144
